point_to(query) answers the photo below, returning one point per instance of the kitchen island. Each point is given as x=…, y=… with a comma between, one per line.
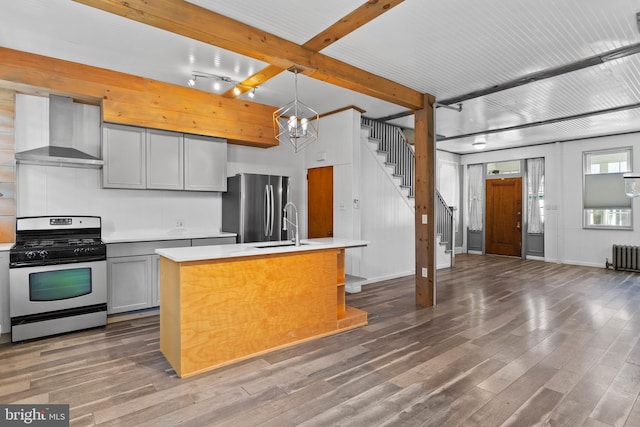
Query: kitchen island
x=223, y=304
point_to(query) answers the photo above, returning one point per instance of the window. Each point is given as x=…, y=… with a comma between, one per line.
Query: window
x=604, y=201
x=504, y=168
x=535, y=196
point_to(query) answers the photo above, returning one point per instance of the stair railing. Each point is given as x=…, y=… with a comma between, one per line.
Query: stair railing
x=445, y=225
x=393, y=143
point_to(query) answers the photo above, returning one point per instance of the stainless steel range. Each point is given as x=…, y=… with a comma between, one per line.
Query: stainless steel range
x=58, y=276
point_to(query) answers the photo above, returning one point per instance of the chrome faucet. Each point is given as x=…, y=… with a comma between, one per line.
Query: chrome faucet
x=296, y=237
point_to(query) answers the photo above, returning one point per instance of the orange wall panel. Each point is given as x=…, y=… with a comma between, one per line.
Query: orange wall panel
x=7, y=166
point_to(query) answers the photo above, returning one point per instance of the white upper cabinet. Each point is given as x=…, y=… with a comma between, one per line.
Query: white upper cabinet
x=205, y=163
x=124, y=154
x=155, y=159
x=165, y=160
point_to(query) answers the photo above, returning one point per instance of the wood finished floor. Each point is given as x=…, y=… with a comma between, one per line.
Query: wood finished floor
x=511, y=342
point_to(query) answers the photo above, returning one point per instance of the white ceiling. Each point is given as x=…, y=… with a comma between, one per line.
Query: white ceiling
x=445, y=48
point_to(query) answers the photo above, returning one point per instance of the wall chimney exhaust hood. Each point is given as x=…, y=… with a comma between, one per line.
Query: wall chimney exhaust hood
x=60, y=151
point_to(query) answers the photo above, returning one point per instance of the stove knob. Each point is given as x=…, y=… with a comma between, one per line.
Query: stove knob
x=43, y=254
x=76, y=251
x=30, y=254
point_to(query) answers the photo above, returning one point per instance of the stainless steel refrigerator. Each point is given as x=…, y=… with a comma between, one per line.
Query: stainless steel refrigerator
x=252, y=207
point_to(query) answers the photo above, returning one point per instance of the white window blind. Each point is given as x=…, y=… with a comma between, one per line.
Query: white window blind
x=605, y=191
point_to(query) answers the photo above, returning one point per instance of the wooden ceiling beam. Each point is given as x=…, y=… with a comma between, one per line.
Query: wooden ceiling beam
x=351, y=22
x=186, y=19
x=134, y=100
x=255, y=80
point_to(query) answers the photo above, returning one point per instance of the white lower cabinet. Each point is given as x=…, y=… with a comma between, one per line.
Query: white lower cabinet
x=133, y=271
x=5, y=322
x=129, y=280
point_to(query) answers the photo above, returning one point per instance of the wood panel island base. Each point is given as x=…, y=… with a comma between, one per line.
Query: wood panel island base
x=221, y=310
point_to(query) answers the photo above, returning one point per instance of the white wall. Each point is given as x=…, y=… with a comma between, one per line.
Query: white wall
x=591, y=247
x=337, y=146
x=565, y=239
x=388, y=223
x=337, y=140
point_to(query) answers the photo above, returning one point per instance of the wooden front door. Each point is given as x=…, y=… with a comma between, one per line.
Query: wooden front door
x=504, y=216
x=320, y=202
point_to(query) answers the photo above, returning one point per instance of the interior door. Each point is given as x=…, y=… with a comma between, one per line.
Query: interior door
x=504, y=216
x=320, y=202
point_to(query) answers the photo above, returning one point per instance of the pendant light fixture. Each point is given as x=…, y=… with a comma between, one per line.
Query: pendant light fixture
x=631, y=184
x=296, y=123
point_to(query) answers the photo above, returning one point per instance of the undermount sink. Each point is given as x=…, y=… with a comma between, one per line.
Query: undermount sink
x=278, y=245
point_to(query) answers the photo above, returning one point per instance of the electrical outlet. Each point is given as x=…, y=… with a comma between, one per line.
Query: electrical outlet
x=179, y=223
x=425, y=272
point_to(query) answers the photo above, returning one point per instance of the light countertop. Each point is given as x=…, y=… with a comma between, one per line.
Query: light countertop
x=199, y=253
x=151, y=235
x=5, y=246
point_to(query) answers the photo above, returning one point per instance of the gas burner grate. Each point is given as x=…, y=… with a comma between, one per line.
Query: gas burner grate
x=76, y=242
x=38, y=243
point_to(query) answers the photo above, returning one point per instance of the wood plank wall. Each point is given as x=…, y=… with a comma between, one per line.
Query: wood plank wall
x=7, y=166
x=134, y=100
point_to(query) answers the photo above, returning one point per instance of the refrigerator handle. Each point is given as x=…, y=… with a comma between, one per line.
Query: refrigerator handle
x=272, y=210
x=267, y=211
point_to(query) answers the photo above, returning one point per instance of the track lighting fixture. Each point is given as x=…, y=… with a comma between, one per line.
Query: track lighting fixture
x=218, y=81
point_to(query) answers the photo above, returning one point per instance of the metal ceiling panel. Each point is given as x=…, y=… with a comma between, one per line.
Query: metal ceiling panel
x=454, y=47
x=593, y=89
